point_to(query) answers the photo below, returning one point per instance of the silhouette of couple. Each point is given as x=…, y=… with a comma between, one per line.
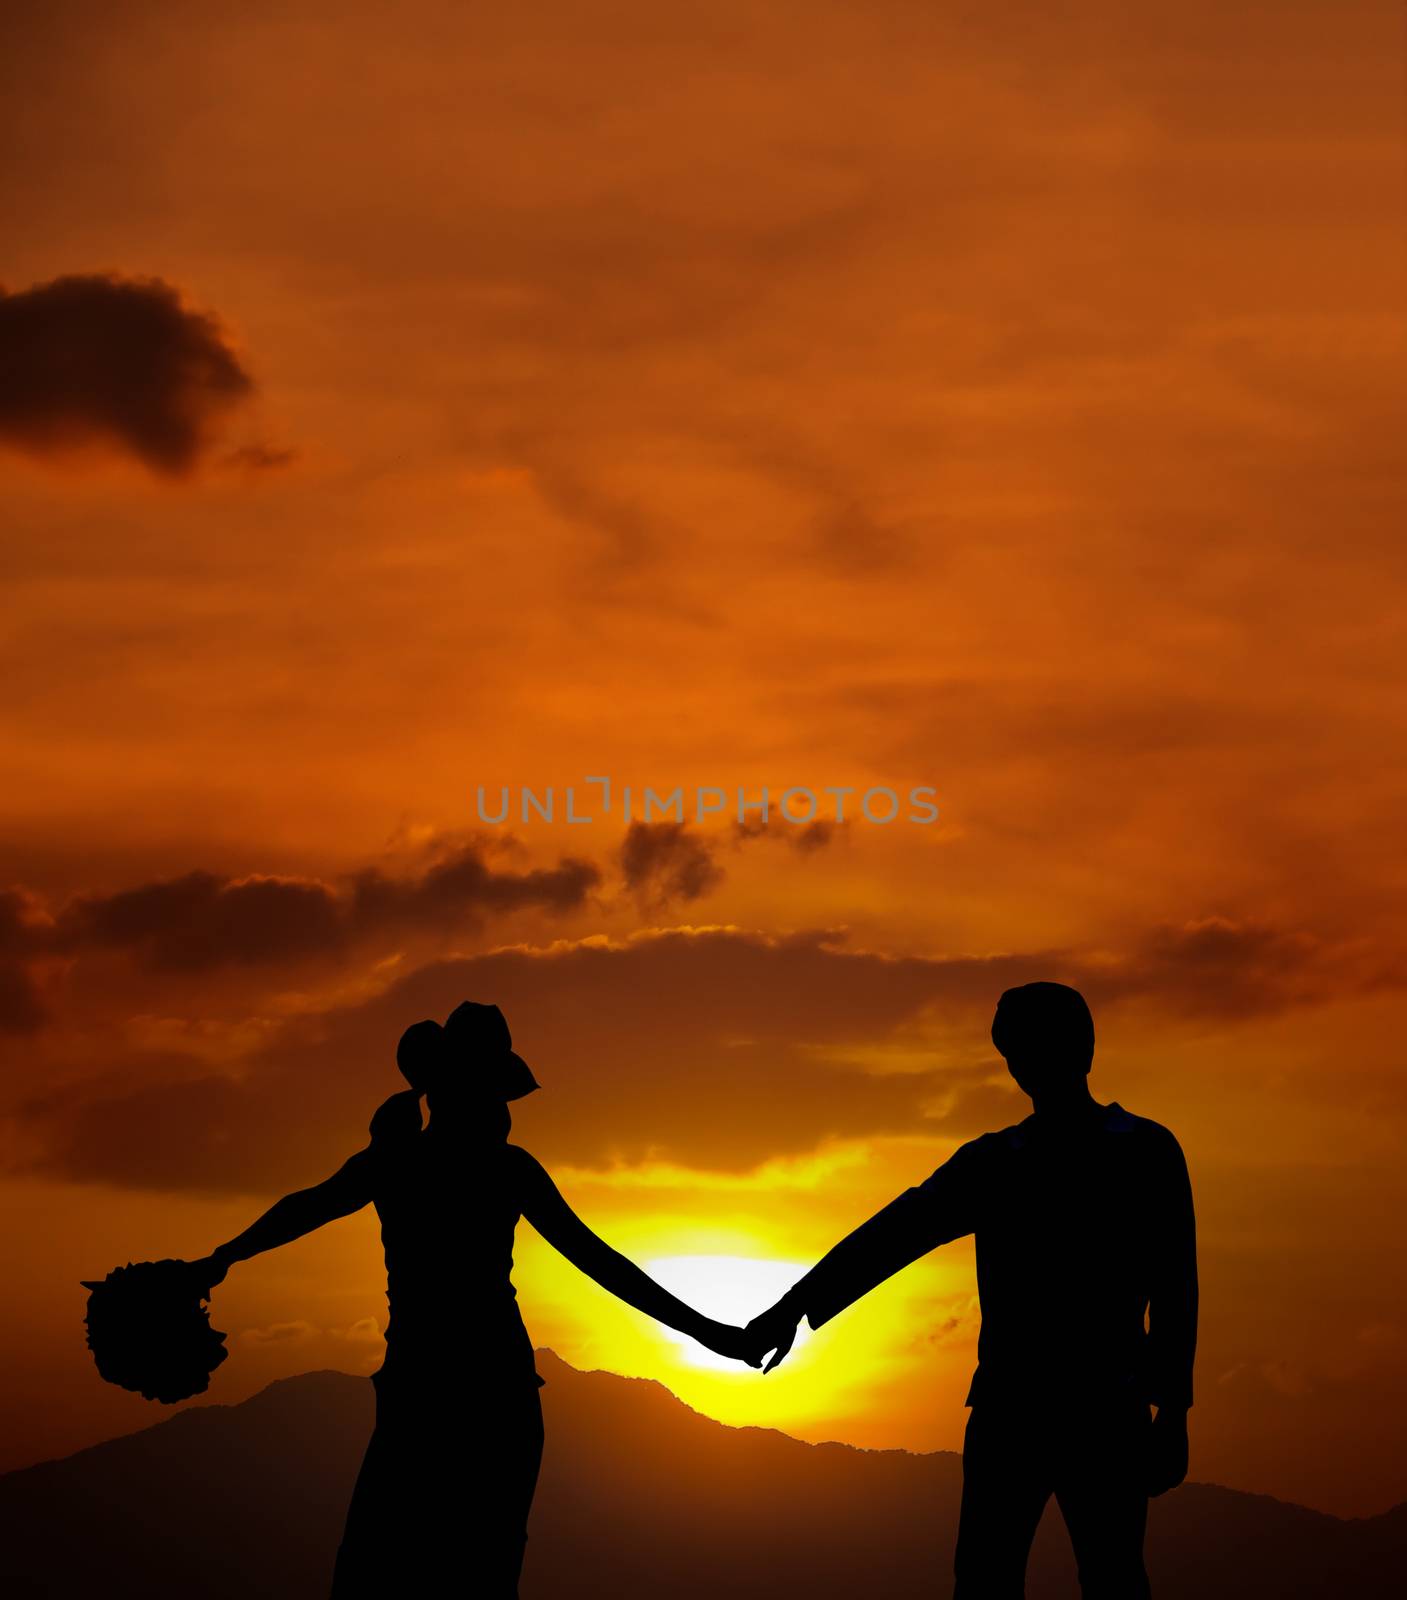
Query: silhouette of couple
x=1084, y=1228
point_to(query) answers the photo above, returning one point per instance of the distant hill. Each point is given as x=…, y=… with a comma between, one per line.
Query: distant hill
x=640, y=1496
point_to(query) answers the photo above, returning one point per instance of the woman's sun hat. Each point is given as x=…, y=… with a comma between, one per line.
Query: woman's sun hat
x=477, y=1039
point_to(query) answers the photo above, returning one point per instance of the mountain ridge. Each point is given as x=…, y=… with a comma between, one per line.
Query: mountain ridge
x=220, y=1499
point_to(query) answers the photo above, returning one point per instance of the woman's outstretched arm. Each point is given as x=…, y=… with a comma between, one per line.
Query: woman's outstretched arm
x=542, y=1204
x=346, y=1191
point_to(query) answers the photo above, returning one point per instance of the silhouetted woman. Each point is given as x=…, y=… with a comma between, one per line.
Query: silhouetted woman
x=448, y=1479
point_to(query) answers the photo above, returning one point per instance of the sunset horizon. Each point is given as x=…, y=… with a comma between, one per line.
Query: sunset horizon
x=737, y=538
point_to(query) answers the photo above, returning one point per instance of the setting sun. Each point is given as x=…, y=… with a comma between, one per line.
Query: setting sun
x=730, y=1288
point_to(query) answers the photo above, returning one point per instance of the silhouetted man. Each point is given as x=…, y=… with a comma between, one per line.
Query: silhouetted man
x=1083, y=1222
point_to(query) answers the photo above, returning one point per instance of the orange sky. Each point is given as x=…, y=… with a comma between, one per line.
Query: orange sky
x=1007, y=401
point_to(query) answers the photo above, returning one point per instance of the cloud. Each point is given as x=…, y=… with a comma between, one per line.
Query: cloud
x=280, y=1333
x=22, y=921
x=366, y=1330
x=461, y=883
x=21, y=924
x=97, y=359
x=699, y=1047
x=203, y=921
x=805, y=838
x=1218, y=967
x=663, y=863
x=715, y=1049
x=21, y=1009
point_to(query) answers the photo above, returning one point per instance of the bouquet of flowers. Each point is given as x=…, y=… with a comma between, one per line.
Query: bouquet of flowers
x=149, y=1331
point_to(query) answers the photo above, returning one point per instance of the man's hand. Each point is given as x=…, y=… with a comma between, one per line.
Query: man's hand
x=773, y=1331
x=1167, y=1451
x=727, y=1341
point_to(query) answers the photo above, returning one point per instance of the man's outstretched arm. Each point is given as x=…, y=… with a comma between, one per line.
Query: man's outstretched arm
x=346, y=1191
x=941, y=1208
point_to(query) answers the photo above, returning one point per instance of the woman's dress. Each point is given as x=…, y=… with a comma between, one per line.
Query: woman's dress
x=447, y=1482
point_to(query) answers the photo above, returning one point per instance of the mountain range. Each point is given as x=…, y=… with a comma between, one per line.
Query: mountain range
x=639, y=1495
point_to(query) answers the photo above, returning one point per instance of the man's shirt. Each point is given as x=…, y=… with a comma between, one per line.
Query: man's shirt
x=1081, y=1233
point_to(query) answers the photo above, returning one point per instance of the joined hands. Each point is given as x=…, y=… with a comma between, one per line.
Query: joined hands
x=772, y=1335
x=764, y=1342
x=725, y=1340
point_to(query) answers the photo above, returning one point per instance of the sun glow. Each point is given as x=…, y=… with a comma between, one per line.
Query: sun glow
x=730, y=1289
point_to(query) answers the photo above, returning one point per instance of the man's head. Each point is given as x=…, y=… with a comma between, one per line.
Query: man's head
x=1046, y=1033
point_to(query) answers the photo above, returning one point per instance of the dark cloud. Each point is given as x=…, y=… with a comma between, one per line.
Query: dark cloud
x=714, y=1049
x=164, y=1134
x=203, y=921
x=1218, y=967
x=21, y=1009
x=22, y=922
x=663, y=863
x=804, y=837
x=21, y=926
x=461, y=883
x=122, y=362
